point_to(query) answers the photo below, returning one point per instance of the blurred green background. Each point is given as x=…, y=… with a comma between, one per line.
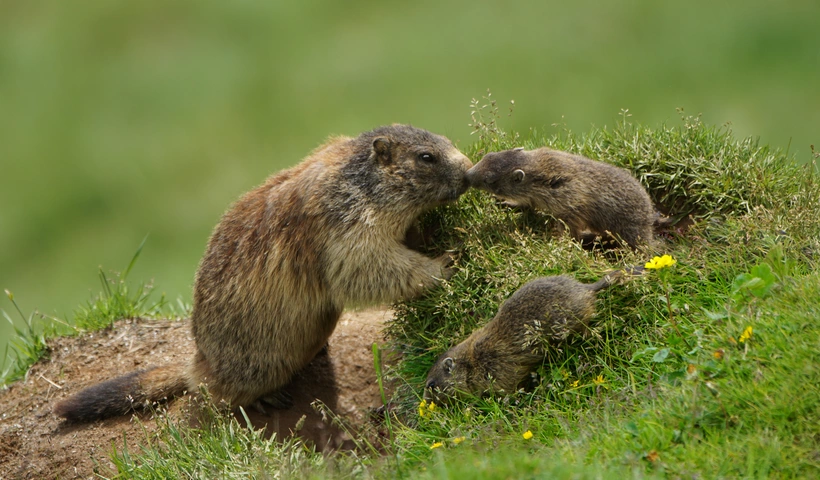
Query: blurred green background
x=121, y=119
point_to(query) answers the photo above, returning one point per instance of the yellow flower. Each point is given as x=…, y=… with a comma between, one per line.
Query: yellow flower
x=598, y=380
x=747, y=334
x=527, y=435
x=436, y=445
x=458, y=440
x=425, y=409
x=660, y=262
x=575, y=383
x=718, y=354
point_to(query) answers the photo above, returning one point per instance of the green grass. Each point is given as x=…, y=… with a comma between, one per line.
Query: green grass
x=673, y=384
x=219, y=448
x=26, y=346
x=116, y=300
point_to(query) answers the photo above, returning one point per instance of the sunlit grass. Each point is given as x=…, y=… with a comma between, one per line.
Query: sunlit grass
x=220, y=447
x=26, y=346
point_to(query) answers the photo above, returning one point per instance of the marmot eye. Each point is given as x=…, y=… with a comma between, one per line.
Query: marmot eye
x=427, y=157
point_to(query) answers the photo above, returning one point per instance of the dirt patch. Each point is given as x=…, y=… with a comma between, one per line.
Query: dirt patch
x=34, y=443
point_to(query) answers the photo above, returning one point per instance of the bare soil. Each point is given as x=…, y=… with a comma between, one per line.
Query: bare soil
x=35, y=443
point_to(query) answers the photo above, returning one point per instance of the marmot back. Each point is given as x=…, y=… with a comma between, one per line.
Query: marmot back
x=286, y=259
x=499, y=356
x=587, y=195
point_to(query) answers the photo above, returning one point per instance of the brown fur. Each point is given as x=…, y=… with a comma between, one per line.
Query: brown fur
x=587, y=195
x=500, y=355
x=290, y=255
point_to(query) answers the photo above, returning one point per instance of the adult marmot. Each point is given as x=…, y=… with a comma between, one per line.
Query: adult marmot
x=289, y=256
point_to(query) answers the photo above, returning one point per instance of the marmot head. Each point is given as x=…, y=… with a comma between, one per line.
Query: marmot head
x=524, y=177
x=401, y=166
x=448, y=377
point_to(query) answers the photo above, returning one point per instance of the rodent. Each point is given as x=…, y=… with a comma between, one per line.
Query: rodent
x=288, y=256
x=500, y=355
x=587, y=195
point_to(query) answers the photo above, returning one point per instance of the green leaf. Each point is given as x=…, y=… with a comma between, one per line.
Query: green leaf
x=758, y=282
x=714, y=316
x=661, y=355
x=763, y=273
x=641, y=353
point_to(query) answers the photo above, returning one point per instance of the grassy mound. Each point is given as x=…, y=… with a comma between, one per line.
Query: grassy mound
x=706, y=367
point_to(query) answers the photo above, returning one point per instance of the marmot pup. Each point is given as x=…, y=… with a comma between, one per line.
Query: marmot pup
x=288, y=256
x=500, y=355
x=585, y=194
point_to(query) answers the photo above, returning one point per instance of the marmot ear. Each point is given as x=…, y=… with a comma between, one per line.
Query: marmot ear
x=449, y=364
x=518, y=175
x=381, y=146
